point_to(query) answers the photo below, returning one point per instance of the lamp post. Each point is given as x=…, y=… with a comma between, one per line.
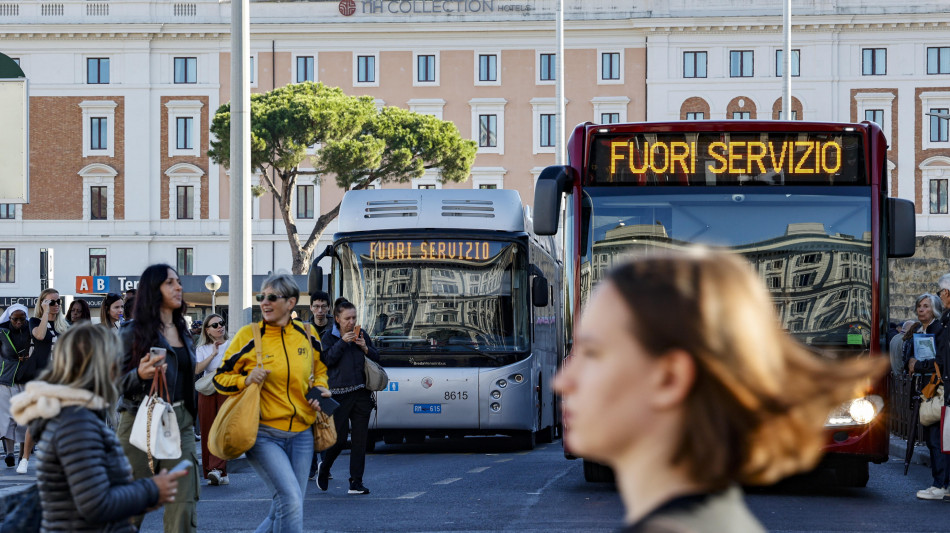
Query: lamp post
x=213, y=283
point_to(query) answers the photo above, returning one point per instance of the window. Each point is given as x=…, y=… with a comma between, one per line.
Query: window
x=773, y=282
x=805, y=280
x=7, y=265
x=938, y=197
x=938, y=125
x=547, y=68
x=7, y=211
x=694, y=64
x=488, y=131
x=97, y=261
x=186, y=70
x=305, y=201
x=740, y=64
x=875, y=115
x=780, y=63
x=781, y=115
x=98, y=203
x=609, y=118
x=185, y=205
x=938, y=60
x=183, y=127
x=610, y=66
x=742, y=115
x=304, y=69
x=99, y=133
x=366, y=69
x=488, y=186
x=185, y=262
x=425, y=186
x=696, y=115
x=874, y=61
x=548, y=130
x=97, y=70
x=425, y=68
x=801, y=307
x=487, y=67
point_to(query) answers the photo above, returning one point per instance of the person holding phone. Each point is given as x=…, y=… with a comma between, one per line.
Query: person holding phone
x=291, y=369
x=157, y=340
x=345, y=350
x=84, y=479
x=212, y=343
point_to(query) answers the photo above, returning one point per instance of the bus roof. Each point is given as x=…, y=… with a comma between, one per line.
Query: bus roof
x=418, y=209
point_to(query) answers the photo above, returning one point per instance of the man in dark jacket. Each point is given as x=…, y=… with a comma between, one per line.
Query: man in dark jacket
x=345, y=350
x=15, y=340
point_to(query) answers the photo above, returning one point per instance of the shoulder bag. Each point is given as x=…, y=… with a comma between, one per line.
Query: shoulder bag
x=931, y=402
x=376, y=378
x=205, y=384
x=155, y=429
x=234, y=430
x=324, y=429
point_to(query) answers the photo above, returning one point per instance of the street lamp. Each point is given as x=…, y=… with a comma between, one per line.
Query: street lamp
x=213, y=283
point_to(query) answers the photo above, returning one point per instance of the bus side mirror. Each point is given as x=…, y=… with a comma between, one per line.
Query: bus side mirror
x=315, y=278
x=901, y=228
x=539, y=291
x=552, y=182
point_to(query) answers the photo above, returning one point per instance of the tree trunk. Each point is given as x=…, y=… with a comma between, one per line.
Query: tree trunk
x=303, y=253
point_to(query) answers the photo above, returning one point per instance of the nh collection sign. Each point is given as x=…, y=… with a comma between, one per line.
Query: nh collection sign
x=428, y=7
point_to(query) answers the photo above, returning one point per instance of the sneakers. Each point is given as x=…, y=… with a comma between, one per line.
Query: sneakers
x=214, y=477
x=10, y=460
x=224, y=480
x=25, y=464
x=323, y=478
x=356, y=487
x=933, y=493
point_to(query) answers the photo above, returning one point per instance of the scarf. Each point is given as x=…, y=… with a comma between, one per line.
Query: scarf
x=45, y=400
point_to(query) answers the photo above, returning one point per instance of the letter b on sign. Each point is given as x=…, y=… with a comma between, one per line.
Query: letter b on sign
x=100, y=284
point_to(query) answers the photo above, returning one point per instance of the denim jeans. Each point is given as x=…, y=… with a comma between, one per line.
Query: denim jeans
x=282, y=459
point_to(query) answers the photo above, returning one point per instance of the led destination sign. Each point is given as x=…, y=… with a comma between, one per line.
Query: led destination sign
x=433, y=250
x=721, y=158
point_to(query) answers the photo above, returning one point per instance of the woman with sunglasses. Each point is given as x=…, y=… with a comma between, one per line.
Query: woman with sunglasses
x=46, y=325
x=160, y=322
x=110, y=314
x=212, y=343
x=291, y=367
x=687, y=410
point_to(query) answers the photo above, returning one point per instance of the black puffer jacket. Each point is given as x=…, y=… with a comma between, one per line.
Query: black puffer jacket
x=84, y=478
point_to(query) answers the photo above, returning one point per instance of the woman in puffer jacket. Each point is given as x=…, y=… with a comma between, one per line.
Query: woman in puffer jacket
x=84, y=478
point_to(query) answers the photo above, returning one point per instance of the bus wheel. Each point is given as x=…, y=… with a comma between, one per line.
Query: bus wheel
x=597, y=473
x=852, y=474
x=524, y=440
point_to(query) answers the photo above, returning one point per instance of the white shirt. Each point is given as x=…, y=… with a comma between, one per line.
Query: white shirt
x=204, y=351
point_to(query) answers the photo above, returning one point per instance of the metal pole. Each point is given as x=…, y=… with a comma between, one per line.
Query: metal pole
x=559, y=84
x=213, y=295
x=239, y=279
x=787, y=62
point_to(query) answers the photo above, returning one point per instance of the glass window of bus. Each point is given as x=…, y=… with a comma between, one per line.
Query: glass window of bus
x=444, y=302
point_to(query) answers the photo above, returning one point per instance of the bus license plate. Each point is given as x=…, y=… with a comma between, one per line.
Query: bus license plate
x=424, y=408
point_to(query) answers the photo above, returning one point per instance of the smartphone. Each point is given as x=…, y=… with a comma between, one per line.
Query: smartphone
x=327, y=405
x=156, y=351
x=357, y=330
x=184, y=464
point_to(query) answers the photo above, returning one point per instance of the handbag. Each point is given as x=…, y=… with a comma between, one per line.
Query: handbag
x=376, y=377
x=234, y=430
x=324, y=429
x=205, y=384
x=155, y=429
x=930, y=409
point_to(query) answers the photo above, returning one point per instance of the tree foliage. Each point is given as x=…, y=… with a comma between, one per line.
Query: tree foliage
x=355, y=143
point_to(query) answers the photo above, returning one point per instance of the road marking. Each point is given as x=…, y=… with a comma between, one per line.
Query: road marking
x=478, y=470
x=410, y=495
x=447, y=481
x=503, y=460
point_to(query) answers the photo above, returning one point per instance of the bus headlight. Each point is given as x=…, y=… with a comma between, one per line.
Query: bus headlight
x=859, y=411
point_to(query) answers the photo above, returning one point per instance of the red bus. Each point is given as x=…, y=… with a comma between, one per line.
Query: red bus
x=805, y=202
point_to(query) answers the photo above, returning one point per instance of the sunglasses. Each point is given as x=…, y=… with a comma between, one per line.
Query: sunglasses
x=56, y=302
x=216, y=325
x=269, y=297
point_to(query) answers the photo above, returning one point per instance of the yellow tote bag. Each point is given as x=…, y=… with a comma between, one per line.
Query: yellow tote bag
x=234, y=430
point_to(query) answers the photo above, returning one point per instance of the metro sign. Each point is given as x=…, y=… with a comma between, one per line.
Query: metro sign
x=92, y=284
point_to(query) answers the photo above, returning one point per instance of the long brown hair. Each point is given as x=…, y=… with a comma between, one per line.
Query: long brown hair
x=760, y=399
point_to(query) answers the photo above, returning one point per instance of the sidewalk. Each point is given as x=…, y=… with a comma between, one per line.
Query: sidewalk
x=899, y=448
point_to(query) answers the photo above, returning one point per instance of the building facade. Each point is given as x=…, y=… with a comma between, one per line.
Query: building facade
x=122, y=94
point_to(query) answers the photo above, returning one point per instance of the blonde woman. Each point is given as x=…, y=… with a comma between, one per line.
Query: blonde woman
x=84, y=479
x=212, y=342
x=686, y=410
x=46, y=325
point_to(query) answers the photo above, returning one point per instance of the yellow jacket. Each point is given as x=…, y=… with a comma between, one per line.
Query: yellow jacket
x=284, y=405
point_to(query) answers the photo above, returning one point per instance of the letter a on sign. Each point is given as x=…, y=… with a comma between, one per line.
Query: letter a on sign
x=83, y=284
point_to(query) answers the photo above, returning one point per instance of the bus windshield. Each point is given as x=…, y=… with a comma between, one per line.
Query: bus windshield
x=811, y=245
x=439, y=302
